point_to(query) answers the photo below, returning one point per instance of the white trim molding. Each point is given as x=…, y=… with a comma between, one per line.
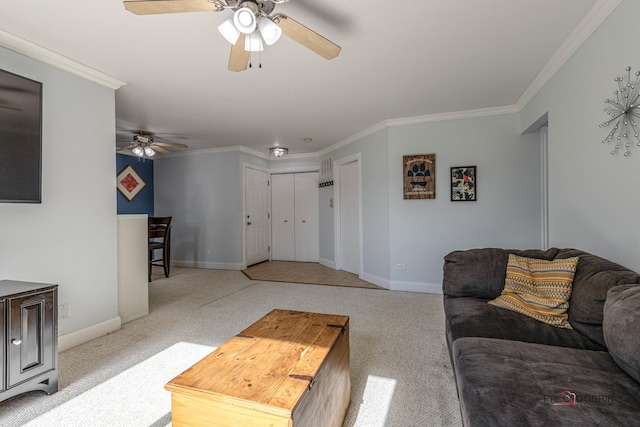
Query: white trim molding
x=81, y=336
x=376, y=280
x=237, y=266
x=596, y=16
x=47, y=56
x=425, y=288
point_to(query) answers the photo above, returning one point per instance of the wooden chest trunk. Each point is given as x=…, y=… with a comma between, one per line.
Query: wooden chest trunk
x=289, y=369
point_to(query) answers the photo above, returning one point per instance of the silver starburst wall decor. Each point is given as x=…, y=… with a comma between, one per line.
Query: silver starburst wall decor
x=623, y=110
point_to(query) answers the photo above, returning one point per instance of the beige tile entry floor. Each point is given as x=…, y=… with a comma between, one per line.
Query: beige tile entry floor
x=305, y=272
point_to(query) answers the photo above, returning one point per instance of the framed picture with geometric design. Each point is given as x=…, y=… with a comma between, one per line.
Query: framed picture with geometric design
x=129, y=183
x=464, y=184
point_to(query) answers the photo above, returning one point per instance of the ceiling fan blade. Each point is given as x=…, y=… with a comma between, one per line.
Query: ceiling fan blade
x=307, y=37
x=239, y=57
x=160, y=149
x=171, y=144
x=128, y=147
x=151, y=7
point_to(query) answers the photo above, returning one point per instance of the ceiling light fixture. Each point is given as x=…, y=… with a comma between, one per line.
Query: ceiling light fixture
x=245, y=19
x=249, y=20
x=278, y=151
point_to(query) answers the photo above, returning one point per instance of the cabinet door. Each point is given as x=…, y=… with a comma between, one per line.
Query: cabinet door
x=307, y=234
x=283, y=218
x=2, y=344
x=30, y=339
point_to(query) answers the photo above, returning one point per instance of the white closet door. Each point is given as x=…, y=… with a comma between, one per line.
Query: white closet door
x=307, y=234
x=283, y=218
x=349, y=217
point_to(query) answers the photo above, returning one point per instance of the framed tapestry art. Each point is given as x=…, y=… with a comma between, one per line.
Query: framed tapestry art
x=419, y=173
x=129, y=183
x=463, y=184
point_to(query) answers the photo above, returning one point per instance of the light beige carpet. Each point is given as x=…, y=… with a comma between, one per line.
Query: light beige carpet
x=400, y=370
x=305, y=272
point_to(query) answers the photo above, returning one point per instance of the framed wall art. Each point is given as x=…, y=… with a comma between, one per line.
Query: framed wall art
x=463, y=184
x=129, y=183
x=419, y=176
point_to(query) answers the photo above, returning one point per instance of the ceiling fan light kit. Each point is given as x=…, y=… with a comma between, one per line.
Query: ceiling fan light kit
x=253, y=43
x=245, y=18
x=270, y=31
x=229, y=31
x=144, y=146
x=253, y=23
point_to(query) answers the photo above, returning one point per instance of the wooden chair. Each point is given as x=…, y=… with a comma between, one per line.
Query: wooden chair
x=160, y=239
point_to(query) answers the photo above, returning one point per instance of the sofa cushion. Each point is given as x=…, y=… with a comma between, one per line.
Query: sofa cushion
x=621, y=327
x=593, y=279
x=538, y=288
x=510, y=383
x=480, y=273
x=473, y=317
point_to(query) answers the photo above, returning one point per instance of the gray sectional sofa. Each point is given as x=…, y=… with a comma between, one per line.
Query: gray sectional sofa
x=513, y=370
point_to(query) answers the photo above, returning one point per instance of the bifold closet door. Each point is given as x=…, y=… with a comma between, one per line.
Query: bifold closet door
x=307, y=230
x=295, y=217
x=282, y=218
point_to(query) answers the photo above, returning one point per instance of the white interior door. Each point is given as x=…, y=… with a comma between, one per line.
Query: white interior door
x=256, y=215
x=307, y=213
x=283, y=218
x=349, y=203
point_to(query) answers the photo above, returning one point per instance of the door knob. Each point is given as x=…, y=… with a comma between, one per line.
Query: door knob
x=16, y=341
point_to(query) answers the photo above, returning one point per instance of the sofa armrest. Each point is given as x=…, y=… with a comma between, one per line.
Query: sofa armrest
x=480, y=273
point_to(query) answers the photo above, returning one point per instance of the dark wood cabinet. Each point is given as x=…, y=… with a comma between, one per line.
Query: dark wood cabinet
x=29, y=337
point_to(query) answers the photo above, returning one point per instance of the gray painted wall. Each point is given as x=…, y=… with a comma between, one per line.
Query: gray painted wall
x=203, y=193
x=593, y=196
x=70, y=238
x=507, y=210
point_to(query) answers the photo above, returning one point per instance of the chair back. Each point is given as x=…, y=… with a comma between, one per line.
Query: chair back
x=159, y=226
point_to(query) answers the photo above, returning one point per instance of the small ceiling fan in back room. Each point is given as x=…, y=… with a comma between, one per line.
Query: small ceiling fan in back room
x=143, y=145
x=252, y=26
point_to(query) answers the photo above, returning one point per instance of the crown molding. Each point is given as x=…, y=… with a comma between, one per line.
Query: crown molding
x=596, y=16
x=427, y=118
x=49, y=57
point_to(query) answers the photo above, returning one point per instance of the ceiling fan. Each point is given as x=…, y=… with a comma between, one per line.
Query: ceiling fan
x=252, y=24
x=143, y=145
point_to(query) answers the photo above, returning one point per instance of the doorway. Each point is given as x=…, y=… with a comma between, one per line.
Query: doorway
x=256, y=217
x=348, y=214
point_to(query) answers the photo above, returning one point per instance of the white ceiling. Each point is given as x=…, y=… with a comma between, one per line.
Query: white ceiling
x=398, y=60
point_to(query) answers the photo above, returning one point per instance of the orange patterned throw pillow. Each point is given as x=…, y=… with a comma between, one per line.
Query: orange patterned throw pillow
x=539, y=289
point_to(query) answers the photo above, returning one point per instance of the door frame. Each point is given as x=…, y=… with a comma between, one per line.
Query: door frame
x=245, y=166
x=357, y=157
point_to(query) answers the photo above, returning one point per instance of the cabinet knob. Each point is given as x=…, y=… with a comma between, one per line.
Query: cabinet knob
x=16, y=341
x=304, y=220
x=286, y=220
x=249, y=223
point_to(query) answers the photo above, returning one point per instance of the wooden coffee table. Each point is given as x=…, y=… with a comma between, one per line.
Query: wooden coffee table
x=288, y=369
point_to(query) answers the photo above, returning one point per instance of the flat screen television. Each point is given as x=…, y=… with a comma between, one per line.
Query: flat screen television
x=20, y=139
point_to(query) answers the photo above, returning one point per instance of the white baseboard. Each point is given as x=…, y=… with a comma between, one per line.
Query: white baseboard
x=75, y=338
x=134, y=317
x=209, y=265
x=376, y=280
x=327, y=263
x=425, y=288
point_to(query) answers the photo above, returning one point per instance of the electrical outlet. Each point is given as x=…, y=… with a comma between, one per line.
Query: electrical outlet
x=400, y=266
x=63, y=311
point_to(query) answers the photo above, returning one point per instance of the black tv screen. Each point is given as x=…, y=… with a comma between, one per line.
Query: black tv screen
x=20, y=139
